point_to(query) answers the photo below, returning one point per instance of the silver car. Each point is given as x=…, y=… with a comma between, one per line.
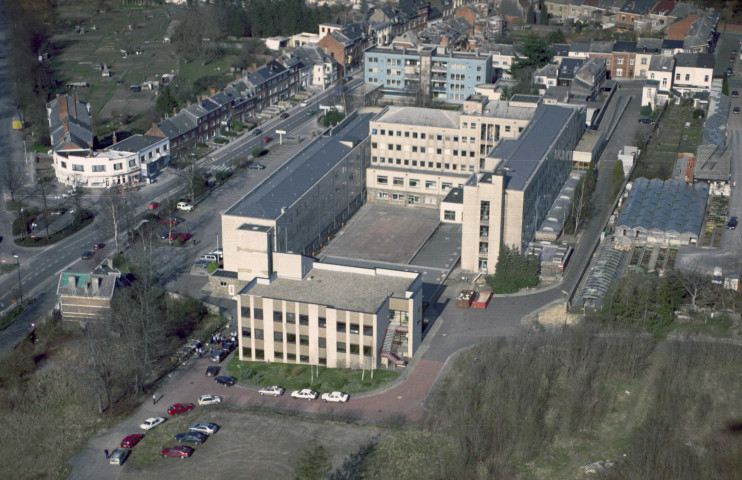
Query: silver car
x=119, y=456
x=207, y=428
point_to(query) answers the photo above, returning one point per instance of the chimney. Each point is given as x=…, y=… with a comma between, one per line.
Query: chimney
x=213, y=91
x=114, y=138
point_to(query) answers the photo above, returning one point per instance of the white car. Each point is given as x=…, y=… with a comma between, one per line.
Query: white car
x=304, y=394
x=151, y=423
x=274, y=390
x=337, y=397
x=185, y=207
x=209, y=400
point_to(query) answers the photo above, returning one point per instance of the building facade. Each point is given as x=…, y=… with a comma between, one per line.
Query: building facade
x=426, y=73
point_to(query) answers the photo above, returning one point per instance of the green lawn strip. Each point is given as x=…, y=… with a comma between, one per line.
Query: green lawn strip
x=294, y=377
x=150, y=447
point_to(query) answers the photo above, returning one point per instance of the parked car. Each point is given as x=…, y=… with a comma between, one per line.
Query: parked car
x=209, y=399
x=225, y=380
x=119, y=456
x=732, y=223
x=304, y=394
x=337, y=397
x=646, y=121
x=219, y=252
x=154, y=205
x=151, y=423
x=99, y=246
x=311, y=112
x=207, y=428
x=732, y=59
x=257, y=132
x=284, y=116
x=171, y=236
x=163, y=235
x=267, y=139
x=184, y=237
x=171, y=220
x=179, y=408
x=256, y=166
x=87, y=255
x=191, y=437
x=274, y=390
x=735, y=94
x=177, y=451
x=736, y=110
x=185, y=206
x=219, y=355
x=131, y=440
x=228, y=347
x=212, y=371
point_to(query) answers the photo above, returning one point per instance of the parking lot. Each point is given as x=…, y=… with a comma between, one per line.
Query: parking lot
x=263, y=445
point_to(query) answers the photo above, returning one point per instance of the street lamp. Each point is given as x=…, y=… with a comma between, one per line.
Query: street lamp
x=20, y=285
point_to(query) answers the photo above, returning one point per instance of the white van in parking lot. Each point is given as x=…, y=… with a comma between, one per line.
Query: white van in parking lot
x=209, y=257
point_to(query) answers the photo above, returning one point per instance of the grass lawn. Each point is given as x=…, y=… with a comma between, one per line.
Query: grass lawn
x=293, y=377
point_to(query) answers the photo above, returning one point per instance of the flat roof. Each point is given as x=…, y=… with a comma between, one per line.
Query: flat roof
x=136, y=143
x=588, y=141
x=520, y=157
x=287, y=184
x=343, y=290
x=424, y=117
x=456, y=195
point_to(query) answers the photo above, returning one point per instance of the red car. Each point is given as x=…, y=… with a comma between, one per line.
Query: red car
x=171, y=220
x=153, y=205
x=177, y=451
x=99, y=246
x=284, y=116
x=184, y=237
x=172, y=236
x=267, y=139
x=179, y=408
x=131, y=440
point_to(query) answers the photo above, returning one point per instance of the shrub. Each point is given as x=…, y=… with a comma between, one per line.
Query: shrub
x=259, y=151
x=237, y=126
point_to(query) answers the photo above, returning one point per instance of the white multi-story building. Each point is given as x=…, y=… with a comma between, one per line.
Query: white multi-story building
x=693, y=72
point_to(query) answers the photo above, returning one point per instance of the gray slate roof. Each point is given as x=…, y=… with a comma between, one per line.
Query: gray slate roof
x=694, y=60
x=68, y=110
x=135, y=143
x=304, y=170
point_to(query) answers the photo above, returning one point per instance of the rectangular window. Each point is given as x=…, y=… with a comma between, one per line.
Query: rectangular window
x=246, y=332
x=341, y=327
x=449, y=215
x=367, y=351
x=99, y=168
x=322, y=341
x=303, y=319
x=277, y=355
x=277, y=317
x=341, y=347
x=368, y=331
x=118, y=166
x=278, y=336
x=322, y=321
x=258, y=313
x=304, y=358
x=354, y=328
x=398, y=182
x=291, y=357
x=258, y=334
x=414, y=183
x=322, y=361
x=303, y=340
x=354, y=348
x=80, y=168
x=247, y=352
x=382, y=180
x=290, y=318
x=429, y=184
x=290, y=338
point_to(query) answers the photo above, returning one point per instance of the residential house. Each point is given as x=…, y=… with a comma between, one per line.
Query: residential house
x=587, y=81
x=568, y=68
x=153, y=153
x=345, y=45
x=86, y=297
x=623, y=59
x=197, y=123
x=318, y=69
x=546, y=76
x=646, y=49
x=603, y=50
x=273, y=83
x=70, y=127
x=503, y=55
x=693, y=72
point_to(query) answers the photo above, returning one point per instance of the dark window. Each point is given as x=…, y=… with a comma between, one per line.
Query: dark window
x=259, y=354
x=258, y=334
x=354, y=348
x=303, y=340
x=303, y=319
x=291, y=356
x=304, y=358
x=322, y=342
x=245, y=311
x=278, y=355
x=258, y=312
x=246, y=332
x=278, y=336
x=341, y=327
x=290, y=317
x=369, y=331
x=277, y=317
x=341, y=347
x=366, y=351
x=291, y=338
x=322, y=322
x=247, y=352
x=322, y=361
x=354, y=328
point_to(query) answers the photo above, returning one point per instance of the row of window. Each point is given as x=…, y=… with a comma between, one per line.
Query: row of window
x=260, y=355
x=413, y=183
x=414, y=163
x=98, y=168
x=341, y=327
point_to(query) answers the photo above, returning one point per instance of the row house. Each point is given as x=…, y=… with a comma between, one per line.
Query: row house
x=345, y=45
x=197, y=123
x=273, y=83
x=69, y=124
x=646, y=50
x=318, y=70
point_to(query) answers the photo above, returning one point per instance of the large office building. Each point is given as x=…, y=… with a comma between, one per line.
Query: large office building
x=506, y=205
x=426, y=73
x=418, y=155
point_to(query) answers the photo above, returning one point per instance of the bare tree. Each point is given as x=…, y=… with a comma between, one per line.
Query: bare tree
x=12, y=176
x=43, y=188
x=693, y=281
x=114, y=208
x=189, y=174
x=103, y=372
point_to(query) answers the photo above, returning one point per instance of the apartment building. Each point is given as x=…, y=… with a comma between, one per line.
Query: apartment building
x=506, y=205
x=300, y=206
x=426, y=73
x=331, y=315
x=418, y=155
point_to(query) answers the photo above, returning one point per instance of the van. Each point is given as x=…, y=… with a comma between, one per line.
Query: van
x=209, y=257
x=185, y=206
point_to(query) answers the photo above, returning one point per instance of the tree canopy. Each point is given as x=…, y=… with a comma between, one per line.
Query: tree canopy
x=514, y=271
x=533, y=53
